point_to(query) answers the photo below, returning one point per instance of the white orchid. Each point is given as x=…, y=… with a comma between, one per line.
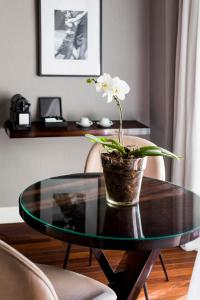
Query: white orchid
x=114, y=89
x=120, y=88
x=105, y=84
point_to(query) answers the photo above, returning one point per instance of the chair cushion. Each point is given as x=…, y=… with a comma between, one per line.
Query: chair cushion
x=73, y=286
x=20, y=279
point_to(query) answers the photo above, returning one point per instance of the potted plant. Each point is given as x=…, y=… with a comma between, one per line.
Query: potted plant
x=123, y=166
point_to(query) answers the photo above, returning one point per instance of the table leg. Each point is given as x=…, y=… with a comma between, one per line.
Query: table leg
x=131, y=274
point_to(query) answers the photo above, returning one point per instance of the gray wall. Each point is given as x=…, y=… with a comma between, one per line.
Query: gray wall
x=125, y=53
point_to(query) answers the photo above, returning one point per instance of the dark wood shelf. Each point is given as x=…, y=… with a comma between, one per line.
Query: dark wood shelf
x=38, y=130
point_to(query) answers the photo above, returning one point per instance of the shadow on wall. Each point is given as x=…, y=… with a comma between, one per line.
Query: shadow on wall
x=4, y=108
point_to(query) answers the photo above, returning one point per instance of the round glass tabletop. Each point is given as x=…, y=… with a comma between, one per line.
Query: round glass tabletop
x=74, y=208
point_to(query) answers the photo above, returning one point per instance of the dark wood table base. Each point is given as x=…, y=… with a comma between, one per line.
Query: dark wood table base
x=131, y=274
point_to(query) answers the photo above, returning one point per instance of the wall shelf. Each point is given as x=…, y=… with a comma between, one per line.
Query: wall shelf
x=38, y=130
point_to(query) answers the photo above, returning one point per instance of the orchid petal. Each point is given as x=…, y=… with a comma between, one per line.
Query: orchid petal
x=110, y=97
x=103, y=78
x=121, y=96
x=125, y=87
x=98, y=87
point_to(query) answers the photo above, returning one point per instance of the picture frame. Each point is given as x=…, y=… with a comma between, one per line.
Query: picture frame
x=70, y=37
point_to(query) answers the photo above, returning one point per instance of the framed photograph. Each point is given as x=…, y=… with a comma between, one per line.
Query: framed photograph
x=70, y=37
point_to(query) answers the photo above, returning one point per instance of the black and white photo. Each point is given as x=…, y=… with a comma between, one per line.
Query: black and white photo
x=71, y=34
x=70, y=37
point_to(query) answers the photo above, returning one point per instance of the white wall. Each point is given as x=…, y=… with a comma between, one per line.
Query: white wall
x=125, y=53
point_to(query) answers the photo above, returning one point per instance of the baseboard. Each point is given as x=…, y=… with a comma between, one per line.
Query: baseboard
x=10, y=215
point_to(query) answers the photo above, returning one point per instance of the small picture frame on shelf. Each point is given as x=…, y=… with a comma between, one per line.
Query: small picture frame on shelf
x=51, y=112
x=70, y=37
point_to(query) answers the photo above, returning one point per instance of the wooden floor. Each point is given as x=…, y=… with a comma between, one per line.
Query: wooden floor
x=41, y=249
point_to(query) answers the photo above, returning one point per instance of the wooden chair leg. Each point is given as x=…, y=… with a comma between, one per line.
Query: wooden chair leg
x=146, y=291
x=90, y=258
x=67, y=255
x=163, y=266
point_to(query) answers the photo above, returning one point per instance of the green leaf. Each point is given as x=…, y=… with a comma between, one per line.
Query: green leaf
x=96, y=139
x=153, y=151
x=148, y=153
x=110, y=143
x=169, y=154
x=149, y=148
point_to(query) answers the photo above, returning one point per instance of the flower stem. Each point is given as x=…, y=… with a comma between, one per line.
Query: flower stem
x=120, y=134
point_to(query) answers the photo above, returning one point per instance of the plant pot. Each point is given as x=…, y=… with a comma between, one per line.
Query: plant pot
x=123, y=178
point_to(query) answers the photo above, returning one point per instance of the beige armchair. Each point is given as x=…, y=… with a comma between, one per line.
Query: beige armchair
x=20, y=279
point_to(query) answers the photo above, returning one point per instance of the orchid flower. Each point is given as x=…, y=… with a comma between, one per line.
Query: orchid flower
x=120, y=88
x=114, y=89
x=104, y=84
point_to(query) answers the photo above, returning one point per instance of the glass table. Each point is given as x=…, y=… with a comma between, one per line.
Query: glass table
x=73, y=208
